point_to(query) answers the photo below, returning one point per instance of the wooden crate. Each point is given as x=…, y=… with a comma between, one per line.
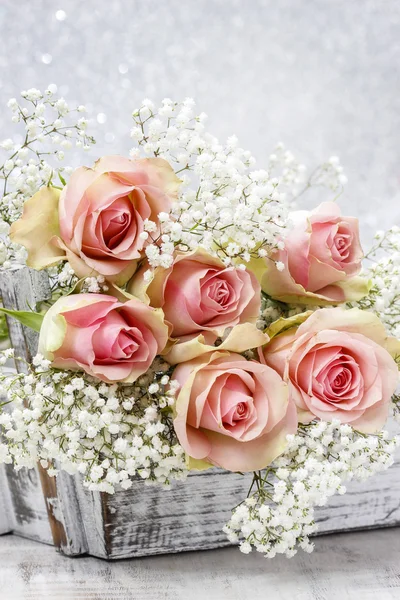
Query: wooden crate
x=146, y=520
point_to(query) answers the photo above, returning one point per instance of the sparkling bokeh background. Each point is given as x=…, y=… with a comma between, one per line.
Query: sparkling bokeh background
x=322, y=77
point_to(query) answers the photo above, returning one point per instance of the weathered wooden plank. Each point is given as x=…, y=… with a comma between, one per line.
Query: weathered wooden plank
x=64, y=505
x=6, y=512
x=368, y=505
x=29, y=508
x=22, y=289
x=148, y=519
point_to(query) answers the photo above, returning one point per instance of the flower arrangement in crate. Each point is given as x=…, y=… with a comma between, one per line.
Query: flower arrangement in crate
x=197, y=319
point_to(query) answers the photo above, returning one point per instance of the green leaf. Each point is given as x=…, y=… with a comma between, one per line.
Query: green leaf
x=29, y=319
x=62, y=179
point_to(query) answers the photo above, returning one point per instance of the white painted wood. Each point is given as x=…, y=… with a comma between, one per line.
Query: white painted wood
x=371, y=504
x=30, y=516
x=66, y=510
x=21, y=290
x=355, y=566
x=147, y=520
x=6, y=512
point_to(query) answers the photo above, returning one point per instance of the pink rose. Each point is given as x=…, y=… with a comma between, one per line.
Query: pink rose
x=199, y=295
x=231, y=412
x=108, y=339
x=338, y=365
x=96, y=221
x=321, y=259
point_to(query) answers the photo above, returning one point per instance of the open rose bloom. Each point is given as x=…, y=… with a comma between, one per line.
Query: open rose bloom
x=97, y=220
x=339, y=365
x=231, y=412
x=321, y=260
x=111, y=340
x=200, y=298
x=199, y=294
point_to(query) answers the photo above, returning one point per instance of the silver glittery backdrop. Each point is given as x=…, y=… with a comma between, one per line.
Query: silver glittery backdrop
x=321, y=76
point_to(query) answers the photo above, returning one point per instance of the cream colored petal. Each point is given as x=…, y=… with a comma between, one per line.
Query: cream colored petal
x=119, y=293
x=137, y=286
x=392, y=345
x=52, y=336
x=283, y=324
x=351, y=289
x=196, y=464
x=38, y=229
x=350, y=320
x=82, y=270
x=241, y=338
x=168, y=181
x=257, y=266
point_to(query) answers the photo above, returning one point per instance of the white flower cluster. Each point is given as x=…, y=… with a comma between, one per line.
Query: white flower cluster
x=62, y=278
x=224, y=206
x=95, y=285
x=292, y=174
x=384, y=274
x=108, y=433
x=322, y=456
x=49, y=129
x=329, y=175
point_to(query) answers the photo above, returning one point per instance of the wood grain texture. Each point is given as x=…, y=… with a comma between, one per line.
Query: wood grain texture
x=22, y=289
x=372, y=504
x=147, y=520
x=353, y=566
x=30, y=513
x=6, y=512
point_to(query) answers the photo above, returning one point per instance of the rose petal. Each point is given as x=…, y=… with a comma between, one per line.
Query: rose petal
x=241, y=338
x=37, y=230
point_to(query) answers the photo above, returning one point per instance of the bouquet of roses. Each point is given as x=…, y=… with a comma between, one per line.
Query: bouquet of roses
x=196, y=319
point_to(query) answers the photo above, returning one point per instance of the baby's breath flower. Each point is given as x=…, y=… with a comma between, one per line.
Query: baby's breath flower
x=384, y=275
x=225, y=207
x=280, y=515
x=35, y=162
x=108, y=433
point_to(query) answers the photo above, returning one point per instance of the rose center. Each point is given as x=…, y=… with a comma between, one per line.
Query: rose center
x=114, y=227
x=219, y=291
x=241, y=411
x=339, y=380
x=238, y=412
x=126, y=344
x=236, y=403
x=116, y=341
x=342, y=242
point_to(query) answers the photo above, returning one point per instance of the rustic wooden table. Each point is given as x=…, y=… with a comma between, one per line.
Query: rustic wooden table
x=344, y=567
